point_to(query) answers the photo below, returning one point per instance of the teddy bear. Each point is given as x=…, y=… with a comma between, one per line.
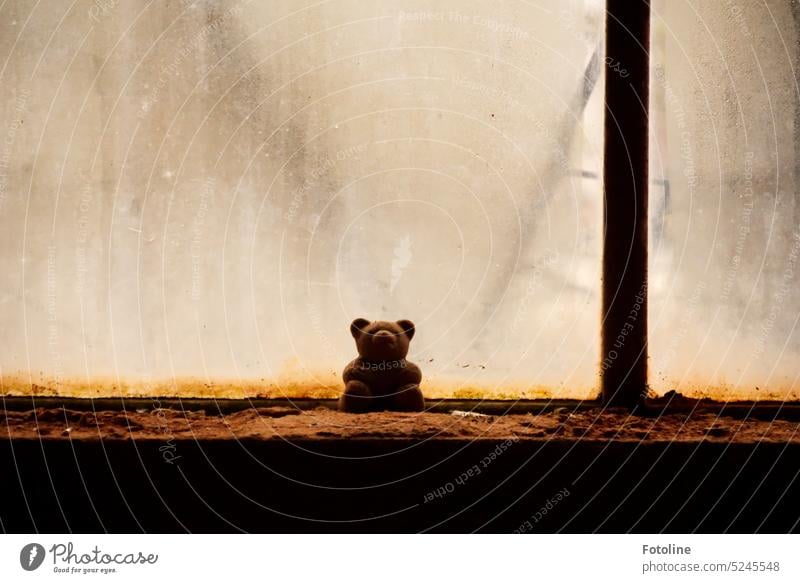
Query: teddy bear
x=381, y=378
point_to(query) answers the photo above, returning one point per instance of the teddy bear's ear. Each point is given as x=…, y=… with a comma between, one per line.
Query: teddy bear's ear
x=408, y=327
x=357, y=327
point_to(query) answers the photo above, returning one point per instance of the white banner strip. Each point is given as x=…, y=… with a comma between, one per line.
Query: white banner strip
x=398, y=558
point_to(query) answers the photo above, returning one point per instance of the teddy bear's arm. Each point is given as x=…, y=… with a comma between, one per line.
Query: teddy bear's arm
x=411, y=374
x=355, y=372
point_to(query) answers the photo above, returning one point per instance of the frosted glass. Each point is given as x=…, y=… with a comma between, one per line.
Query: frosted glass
x=725, y=213
x=198, y=197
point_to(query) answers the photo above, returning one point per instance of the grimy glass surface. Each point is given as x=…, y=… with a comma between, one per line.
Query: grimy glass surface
x=198, y=197
x=725, y=212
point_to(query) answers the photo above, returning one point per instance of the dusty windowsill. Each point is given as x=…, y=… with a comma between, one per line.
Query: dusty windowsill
x=285, y=423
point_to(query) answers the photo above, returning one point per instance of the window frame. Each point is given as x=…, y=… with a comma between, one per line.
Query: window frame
x=623, y=364
x=623, y=370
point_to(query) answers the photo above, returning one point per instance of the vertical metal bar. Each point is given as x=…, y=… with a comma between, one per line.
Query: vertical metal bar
x=625, y=189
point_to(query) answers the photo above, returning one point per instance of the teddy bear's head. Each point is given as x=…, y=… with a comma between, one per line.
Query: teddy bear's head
x=378, y=341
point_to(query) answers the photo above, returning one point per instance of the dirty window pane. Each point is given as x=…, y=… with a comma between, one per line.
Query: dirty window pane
x=725, y=212
x=198, y=197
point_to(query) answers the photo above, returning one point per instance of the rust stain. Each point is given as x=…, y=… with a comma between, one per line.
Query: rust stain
x=287, y=387
x=187, y=387
x=729, y=392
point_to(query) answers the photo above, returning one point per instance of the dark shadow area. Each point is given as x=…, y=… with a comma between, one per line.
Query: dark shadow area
x=391, y=485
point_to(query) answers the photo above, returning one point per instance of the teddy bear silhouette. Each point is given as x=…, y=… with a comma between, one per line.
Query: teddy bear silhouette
x=381, y=378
